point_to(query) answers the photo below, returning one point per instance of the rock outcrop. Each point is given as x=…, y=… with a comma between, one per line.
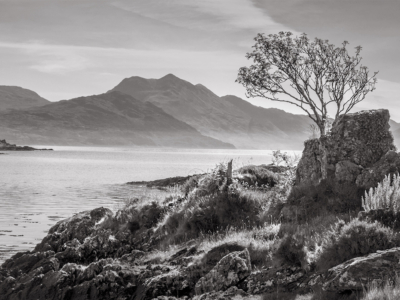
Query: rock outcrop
x=92, y=255
x=357, y=273
x=360, y=150
x=229, y=271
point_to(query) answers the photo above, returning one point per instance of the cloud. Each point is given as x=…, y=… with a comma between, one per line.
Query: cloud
x=372, y=24
x=385, y=96
x=58, y=59
x=221, y=15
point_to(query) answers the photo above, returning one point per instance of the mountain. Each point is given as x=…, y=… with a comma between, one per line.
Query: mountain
x=394, y=125
x=228, y=118
x=14, y=97
x=108, y=119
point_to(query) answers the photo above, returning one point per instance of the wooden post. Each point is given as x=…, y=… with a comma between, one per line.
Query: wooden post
x=229, y=172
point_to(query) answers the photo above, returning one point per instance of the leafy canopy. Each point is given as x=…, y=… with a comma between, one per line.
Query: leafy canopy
x=308, y=74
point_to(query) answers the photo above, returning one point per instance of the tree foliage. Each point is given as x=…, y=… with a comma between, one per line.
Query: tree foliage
x=308, y=74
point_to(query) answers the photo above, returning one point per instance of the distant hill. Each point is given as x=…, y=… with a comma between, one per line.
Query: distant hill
x=165, y=112
x=14, y=97
x=228, y=118
x=108, y=119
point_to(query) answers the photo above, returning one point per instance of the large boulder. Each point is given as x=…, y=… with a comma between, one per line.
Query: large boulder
x=388, y=164
x=360, y=150
x=356, y=273
x=229, y=271
x=309, y=166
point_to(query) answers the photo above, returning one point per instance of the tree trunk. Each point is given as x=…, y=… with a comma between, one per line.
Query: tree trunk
x=323, y=156
x=323, y=150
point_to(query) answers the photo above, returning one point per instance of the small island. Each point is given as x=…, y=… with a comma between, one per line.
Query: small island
x=4, y=146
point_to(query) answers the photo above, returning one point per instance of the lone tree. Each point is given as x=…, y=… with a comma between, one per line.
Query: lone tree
x=308, y=74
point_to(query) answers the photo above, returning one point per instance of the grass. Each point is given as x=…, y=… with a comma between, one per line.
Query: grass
x=389, y=291
x=385, y=196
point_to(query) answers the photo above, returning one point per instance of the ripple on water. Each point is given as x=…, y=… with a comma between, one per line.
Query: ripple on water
x=22, y=231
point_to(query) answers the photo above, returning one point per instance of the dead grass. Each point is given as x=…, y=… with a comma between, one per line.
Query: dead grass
x=144, y=196
x=390, y=291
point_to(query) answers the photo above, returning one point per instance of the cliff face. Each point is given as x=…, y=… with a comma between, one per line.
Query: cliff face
x=359, y=146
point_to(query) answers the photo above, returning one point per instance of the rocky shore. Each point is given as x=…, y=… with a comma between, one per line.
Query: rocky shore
x=4, y=146
x=231, y=237
x=90, y=256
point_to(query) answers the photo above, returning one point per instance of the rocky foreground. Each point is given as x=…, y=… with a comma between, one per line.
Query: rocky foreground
x=89, y=256
x=99, y=254
x=4, y=146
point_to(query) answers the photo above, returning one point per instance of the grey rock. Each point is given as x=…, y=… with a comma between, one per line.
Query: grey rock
x=230, y=270
x=358, y=272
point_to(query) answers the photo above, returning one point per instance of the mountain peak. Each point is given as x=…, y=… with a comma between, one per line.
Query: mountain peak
x=170, y=76
x=15, y=97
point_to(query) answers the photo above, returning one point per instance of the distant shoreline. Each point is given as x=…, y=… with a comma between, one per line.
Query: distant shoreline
x=4, y=146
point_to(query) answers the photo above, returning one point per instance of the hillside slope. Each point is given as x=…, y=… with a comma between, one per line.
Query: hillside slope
x=14, y=97
x=228, y=118
x=108, y=119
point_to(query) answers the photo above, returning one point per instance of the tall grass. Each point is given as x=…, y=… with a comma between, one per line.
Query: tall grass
x=385, y=196
x=389, y=291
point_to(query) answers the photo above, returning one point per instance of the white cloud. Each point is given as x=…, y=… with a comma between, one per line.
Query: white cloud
x=46, y=58
x=386, y=96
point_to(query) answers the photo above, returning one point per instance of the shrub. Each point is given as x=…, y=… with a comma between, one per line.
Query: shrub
x=259, y=242
x=211, y=213
x=290, y=162
x=311, y=200
x=385, y=196
x=357, y=238
x=149, y=215
x=190, y=184
x=258, y=176
x=135, y=217
x=386, y=217
x=291, y=250
x=212, y=182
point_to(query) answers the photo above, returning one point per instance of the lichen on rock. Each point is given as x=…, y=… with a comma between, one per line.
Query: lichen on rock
x=356, y=142
x=229, y=271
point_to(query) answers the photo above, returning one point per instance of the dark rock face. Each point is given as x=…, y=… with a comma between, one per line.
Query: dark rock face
x=388, y=164
x=309, y=166
x=360, y=150
x=358, y=272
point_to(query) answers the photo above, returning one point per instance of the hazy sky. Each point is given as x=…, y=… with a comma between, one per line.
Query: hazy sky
x=68, y=48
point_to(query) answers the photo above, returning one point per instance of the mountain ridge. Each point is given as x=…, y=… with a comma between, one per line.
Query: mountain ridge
x=228, y=118
x=216, y=121
x=111, y=118
x=15, y=97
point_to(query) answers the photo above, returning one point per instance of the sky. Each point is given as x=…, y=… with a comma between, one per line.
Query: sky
x=63, y=49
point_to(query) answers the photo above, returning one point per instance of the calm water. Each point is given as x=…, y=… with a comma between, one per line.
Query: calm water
x=39, y=188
